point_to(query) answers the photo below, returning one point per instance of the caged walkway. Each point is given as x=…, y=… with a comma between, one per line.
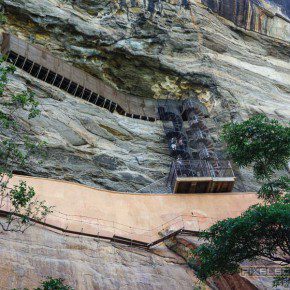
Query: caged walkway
x=196, y=168
x=43, y=65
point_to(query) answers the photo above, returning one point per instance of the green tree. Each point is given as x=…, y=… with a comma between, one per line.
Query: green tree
x=275, y=190
x=260, y=142
x=16, y=148
x=54, y=284
x=261, y=231
x=25, y=209
x=283, y=280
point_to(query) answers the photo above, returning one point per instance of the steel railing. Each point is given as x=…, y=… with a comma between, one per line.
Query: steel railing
x=116, y=231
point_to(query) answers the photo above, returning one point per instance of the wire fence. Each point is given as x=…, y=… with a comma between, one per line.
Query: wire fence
x=157, y=187
x=98, y=227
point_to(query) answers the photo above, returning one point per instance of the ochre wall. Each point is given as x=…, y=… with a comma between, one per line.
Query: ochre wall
x=133, y=215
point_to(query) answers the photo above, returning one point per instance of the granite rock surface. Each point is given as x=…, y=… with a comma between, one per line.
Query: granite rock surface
x=178, y=53
x=87, y=264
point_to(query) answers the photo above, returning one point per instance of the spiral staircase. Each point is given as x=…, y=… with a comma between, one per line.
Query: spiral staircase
x=196, y=168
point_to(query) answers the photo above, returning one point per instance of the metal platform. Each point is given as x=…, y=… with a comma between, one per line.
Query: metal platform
x=186, y=131
x=201, y=176
x=203, y=184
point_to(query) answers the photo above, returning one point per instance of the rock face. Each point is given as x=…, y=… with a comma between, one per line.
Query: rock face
x=184, y=246
x=269, y=18
x=266, y=17
x=87, y=264
x=282, y=5
x=163, y=49
x=185, y=51
x=92, y=146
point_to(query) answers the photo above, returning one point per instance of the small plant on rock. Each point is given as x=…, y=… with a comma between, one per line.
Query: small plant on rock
x=3, y=18
x=54, y=284
x=16, y=148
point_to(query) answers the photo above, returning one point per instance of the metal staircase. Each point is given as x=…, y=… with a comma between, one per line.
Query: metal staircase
x=196, y=164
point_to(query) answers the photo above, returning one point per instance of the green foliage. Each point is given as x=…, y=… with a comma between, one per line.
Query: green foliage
x=275, y=190
x=261, y=231
x=3, y=18
x=283, y=280
x=5, y=70
x=16, y=147
x=26, y=100
x=259, y=141
x=54, y=284
x=24, y=209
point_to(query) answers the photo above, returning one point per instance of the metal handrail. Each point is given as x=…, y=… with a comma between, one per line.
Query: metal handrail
x=113, y=230
x=199, y=168
x=153, y=187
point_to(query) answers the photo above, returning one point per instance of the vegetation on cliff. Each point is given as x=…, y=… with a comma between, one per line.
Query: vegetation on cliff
x=52, y=284
x=263, y=230
x=23, y=205
x=259, y=141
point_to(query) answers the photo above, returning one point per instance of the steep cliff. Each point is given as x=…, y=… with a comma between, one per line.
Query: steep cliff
x=233, y=56
x=87, y=264
x=265, y=17
x=175, y=49
x=89, y=145
x=184, y=245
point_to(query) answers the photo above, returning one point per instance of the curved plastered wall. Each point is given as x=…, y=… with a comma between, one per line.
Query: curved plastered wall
x=136, y=216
